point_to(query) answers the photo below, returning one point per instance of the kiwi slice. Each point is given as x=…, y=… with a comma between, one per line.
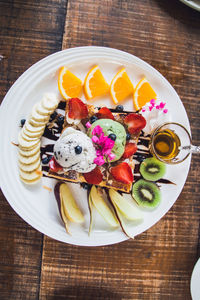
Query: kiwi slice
x=152, y=169
x=146, y=193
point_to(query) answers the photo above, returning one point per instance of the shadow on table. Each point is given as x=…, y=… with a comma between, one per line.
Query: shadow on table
x=85, y=292
x=181, y=12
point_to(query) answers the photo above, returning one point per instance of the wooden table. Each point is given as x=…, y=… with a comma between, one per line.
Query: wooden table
x=159, y=262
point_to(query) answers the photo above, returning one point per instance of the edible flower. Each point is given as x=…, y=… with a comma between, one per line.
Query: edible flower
x=103, y=145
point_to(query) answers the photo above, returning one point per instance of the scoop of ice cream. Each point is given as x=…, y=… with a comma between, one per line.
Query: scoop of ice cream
x=74, y=151
x=156, y=114
x=112, y=127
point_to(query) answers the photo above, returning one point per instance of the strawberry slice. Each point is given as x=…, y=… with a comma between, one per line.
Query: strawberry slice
x=94, y=177
x=130, y=149
x=77, y=109
x=135, y=123
x=122, y=173
x=54, y=166
x=105, y=113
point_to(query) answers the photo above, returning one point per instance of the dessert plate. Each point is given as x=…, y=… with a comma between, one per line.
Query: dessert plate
x=36, y=205
x=195, y=4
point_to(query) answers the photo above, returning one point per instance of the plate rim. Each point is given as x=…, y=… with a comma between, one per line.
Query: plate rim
x=23, y=77
x=191, y=4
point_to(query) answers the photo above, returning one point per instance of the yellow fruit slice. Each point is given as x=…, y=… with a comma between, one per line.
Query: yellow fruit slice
x=69, y=85
x=143, y=94
x=95, y=84
x=121, y=87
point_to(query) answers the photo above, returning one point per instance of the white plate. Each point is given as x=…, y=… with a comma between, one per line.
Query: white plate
x=195, y=282
x=193, y=4
x=36, y=205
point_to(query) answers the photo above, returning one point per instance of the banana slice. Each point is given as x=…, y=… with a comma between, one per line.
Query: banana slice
x=37, y=134
x=30, y=182
x=31, y=175
x=28, y=138
x=31, y=167
x=37, y=124
x=42, y=110
x=50, y=101
x=29, y=153
x=23, y=144
x=33, y=128
x=27, y=160
x=38, y=117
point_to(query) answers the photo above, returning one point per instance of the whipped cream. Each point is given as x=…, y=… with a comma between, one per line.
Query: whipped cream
x=74, y=150
x=155, y=113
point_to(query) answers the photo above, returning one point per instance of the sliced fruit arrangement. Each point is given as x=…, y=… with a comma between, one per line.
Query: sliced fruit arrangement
x=29, y=139
x=146, y=193
x=143, y=94
x=67, y=205
x=122, y=173
x=152, y=169
x=97, y=201
x=121, y=87
x=69, y=85
x=95, y=84
x=125, y=211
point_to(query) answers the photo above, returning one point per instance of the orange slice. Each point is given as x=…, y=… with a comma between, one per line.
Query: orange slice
x=95, y=84
x=143, y=94
x=69, y=85
x=121, y=87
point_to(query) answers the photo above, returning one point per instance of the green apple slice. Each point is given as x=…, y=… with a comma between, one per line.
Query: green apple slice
x=102, y=207
x=70, y=208
x=129, y=211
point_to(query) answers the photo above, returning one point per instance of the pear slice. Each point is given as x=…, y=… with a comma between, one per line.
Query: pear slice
x=71, y=210
x=129, y=211
x=102, y=207
x=125, y=225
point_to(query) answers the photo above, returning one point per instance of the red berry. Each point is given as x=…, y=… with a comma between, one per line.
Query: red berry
x=105, y=113
x=130, y=149
x=135, y=123
x=94, y=177
x=54, y=166
x=122, y=173
x=77, y=109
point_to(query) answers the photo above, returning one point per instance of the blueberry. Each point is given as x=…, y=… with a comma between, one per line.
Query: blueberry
x=78, y=149
x=22, y=122
x=128, y=136
x=85, y=185
x=60, y=120
x=112, y=136
x=53, y=115
x=93, y=119
x=46, y=160
x=119, y=108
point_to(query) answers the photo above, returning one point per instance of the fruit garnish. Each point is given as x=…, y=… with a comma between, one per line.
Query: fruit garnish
x=126, y=213
x=54, y=166
x=94, y=177
x=105, y=113
x=143, y=94
x=152, y=169
x=146, y=193
x=95, y=84
x=102, y=207
x=135, y=123
x=77, y=109
x=68, y=84
x=130, y=149
x=122, y=173
x=121, y=87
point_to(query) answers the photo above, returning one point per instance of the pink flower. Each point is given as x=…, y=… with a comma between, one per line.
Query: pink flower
x=95, y=139
x=111, y=156
x=144, y=109
x=99, y=160
x=88, y=125
x=97, y=130
x=162, y=105
x=157, y=106
x=165, y=111
x=152, y=102
x=150, y=108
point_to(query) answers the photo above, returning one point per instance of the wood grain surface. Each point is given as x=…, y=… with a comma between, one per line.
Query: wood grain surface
x=159, y=262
